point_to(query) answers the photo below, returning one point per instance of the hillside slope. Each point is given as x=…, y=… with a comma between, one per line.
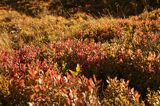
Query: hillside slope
x=80, y=60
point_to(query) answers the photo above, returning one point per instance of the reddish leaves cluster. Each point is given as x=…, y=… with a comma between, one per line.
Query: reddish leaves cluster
x=39, y=83
x=30, y=70
x=87, y=54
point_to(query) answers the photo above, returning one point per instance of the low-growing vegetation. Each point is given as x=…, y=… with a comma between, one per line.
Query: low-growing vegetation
x=47, y=59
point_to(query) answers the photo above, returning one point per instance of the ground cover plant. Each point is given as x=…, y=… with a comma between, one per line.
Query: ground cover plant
x=67, y=8
x=79, y=60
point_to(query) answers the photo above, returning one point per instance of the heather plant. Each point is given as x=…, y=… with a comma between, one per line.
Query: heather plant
x=153, y=15
x=68, y=8
x=88, y=55
x=153, y=98
x=36, y=83
x=33, y=8
x=118, y=93
x=49, y=59
x=4, y=88
x=21, y=29
x=94, y=58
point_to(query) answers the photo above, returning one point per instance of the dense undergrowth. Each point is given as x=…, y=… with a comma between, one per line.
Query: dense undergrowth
x=81, y=60
x=67, y=8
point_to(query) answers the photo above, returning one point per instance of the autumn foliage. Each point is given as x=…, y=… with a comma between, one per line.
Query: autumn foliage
x=81, y=60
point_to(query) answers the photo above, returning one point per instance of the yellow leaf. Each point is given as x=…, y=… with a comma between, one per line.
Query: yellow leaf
x=73, y=72
x=78, y=68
